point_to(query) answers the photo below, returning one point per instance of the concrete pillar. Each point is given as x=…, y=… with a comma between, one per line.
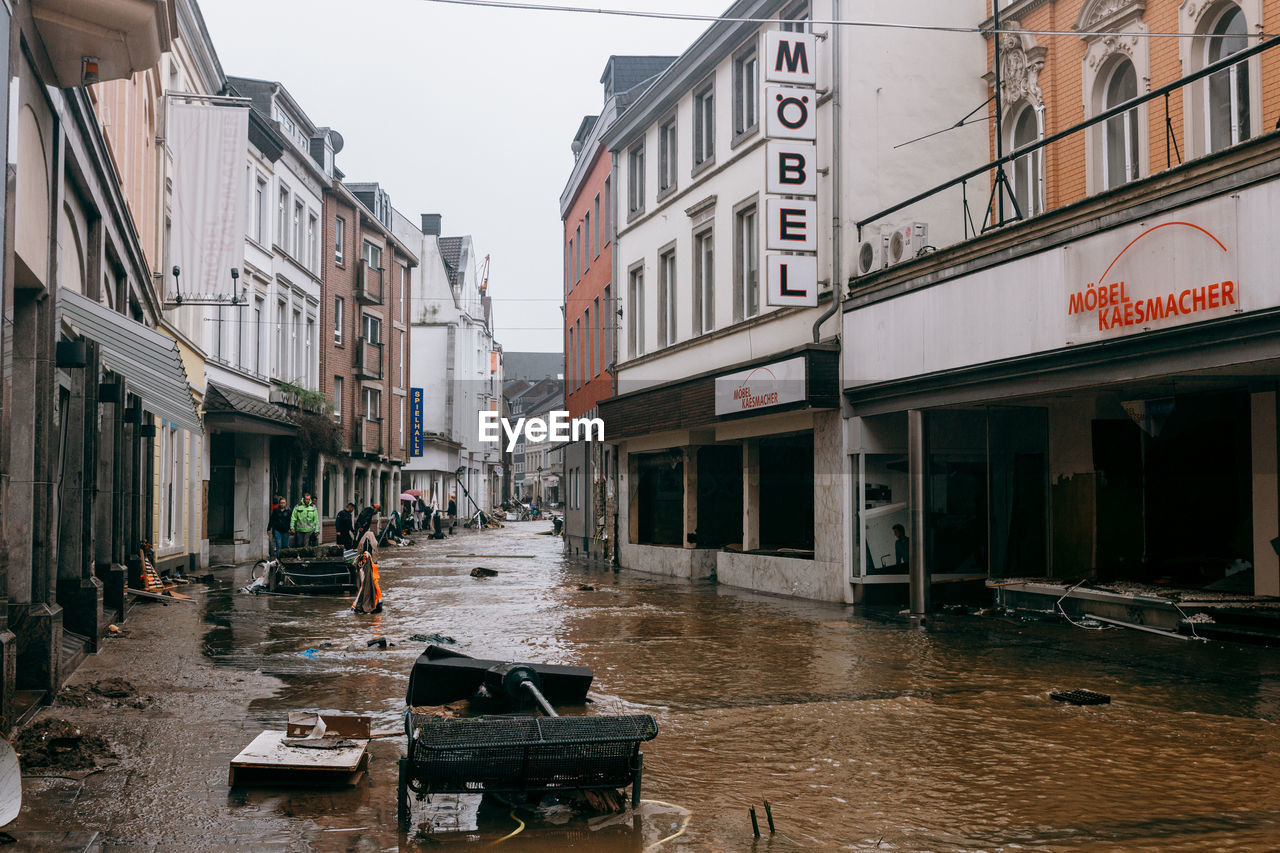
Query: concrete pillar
x=1266, y=497
x=690, y=497
x=917, y=466
x=79, y=592
x=751, y=494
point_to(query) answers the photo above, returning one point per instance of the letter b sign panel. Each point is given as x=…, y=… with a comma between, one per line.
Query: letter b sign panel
x=791, y=169
x=791, y=280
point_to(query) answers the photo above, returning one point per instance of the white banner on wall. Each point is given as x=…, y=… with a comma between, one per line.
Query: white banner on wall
x=209, y=145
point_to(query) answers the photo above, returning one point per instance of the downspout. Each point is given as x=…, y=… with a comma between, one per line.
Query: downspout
x=616, y=549
x=837, y=283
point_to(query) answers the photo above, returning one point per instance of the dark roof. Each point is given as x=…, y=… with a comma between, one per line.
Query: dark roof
x=219, y=398
x=623, y=73
x=451, y=253
x=257, y=91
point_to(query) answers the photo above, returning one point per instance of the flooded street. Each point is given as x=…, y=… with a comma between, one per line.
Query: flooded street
x=861, y=732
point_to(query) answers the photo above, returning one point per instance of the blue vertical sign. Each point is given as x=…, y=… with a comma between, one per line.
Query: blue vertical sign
x=415, y=421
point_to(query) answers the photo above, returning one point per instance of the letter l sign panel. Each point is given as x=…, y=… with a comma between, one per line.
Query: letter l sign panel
x=791, y=280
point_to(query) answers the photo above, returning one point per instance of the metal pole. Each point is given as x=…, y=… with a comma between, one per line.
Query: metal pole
x=995, y=21
x=917, y=466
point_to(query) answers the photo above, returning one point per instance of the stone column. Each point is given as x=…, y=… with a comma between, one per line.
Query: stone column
x=1266, y=499
x=690, y=497
x=917, y=466
x=79, y=592
x=751, y=494
x=108, y=549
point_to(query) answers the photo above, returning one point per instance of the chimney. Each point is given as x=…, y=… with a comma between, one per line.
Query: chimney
x=431, y=224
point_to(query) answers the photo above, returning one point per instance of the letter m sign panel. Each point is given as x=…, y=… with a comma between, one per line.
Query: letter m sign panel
x=789, y=58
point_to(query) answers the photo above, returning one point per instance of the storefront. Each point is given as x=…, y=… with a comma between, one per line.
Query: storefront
x=736, y=475
x=1093, y=398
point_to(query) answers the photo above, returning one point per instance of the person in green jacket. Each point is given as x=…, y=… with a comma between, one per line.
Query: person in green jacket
x=304, y=524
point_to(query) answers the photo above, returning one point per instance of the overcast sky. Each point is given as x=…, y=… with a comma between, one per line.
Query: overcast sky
x=462, y=111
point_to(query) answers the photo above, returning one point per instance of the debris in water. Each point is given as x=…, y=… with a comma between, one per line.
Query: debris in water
x=113, y=629
x=61, y=745
x=481, y=572
x=586, y=587
x=107, y=693
x=308, y=653
x=1080, y=697
x=380, y=642
x=432, y=638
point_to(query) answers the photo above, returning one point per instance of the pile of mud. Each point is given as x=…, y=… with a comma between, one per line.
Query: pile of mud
x=60, y=745
x=107, y=693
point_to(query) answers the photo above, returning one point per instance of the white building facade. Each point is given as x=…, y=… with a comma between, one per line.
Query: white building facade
x=731, y=443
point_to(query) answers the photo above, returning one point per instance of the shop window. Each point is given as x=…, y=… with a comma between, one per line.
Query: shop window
x=660, y=499
x=786, y=494
x=719, y=496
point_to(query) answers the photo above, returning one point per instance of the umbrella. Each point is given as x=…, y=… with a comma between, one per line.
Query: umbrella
x=417, y=493
x=407, y=496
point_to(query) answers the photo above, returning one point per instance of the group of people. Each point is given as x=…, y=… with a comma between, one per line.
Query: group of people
x=357, y=531
x=299, y=528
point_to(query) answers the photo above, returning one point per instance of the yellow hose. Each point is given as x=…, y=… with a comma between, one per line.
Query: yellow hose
x=519, y=829
x=688, y=815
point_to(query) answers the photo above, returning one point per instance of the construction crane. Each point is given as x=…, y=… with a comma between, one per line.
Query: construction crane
x=484, y=276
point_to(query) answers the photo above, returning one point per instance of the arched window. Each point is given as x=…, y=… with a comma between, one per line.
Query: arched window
x=1227, y=101
x=1120, y=133
x=1026, y=173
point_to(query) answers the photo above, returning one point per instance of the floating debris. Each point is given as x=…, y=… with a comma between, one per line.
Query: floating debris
x=1080, y=697
x=433, y=638
x=481, y=572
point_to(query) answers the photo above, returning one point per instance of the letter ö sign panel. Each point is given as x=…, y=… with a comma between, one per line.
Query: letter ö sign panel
x=790, y=113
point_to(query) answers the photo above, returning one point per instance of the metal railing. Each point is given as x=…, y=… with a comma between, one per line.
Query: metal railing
x=993, y=214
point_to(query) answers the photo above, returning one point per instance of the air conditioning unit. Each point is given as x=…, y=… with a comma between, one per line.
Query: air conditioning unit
x=906, y=242
x=872, y=253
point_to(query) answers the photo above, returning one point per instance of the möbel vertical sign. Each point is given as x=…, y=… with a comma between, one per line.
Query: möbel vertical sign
x=415, y=421
x=791, y=206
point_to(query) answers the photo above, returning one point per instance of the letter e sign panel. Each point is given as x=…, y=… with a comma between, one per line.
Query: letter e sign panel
x=790, y=169
x=790, y=113
x=789, y=58
x=792, y=225
x=791, y=280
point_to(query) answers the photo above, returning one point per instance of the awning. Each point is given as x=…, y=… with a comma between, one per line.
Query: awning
x=146, y=358
x=233, y=411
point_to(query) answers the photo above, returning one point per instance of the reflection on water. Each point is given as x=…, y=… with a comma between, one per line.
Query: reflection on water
x=861, y=732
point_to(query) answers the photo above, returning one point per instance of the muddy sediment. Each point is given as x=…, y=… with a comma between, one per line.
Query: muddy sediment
x=54, y=744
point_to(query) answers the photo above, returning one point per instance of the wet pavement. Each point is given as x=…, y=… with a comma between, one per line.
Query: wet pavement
x=861, y=732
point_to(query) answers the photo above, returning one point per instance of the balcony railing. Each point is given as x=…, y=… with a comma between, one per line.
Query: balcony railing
x=368, y=359
x=991, y=209
x=368, y=284
x=368, y=437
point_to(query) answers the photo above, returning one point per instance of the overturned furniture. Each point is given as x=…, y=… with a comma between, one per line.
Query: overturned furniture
x=315, y=750
x=519, y=754
x=320, y=570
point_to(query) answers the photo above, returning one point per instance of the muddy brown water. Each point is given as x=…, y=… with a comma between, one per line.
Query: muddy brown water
x=862, y=732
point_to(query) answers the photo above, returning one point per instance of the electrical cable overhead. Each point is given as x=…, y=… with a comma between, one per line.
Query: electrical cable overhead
x=937, y=28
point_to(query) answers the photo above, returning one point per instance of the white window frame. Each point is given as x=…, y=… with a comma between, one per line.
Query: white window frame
x=635, y=180
x=704, y=126
x=339, y=304
x=746, y=93
x=746, y=260
x=704, y=282
x=668, y=279
x=668, y=157
x=635, y=310
x=339, y=239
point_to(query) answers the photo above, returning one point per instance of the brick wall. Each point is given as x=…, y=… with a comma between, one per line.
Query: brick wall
x=588, y=381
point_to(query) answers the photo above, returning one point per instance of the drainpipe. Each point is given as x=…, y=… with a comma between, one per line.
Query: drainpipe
x=837, y=284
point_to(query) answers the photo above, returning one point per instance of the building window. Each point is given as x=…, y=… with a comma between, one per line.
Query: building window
x=261, y=216
x=704, y=126
x=373, y=255
x=667, y=157
x=1120, y=133
x=337, y=398
x=337, y=320
x=1227, y=106
x=608, y=326
x=1026, y=172
x=746, y=93
x=313, y=251
x=299, y=247
x=372, y=404
x=568, y=267
x=404, y=292
x=588, y=341
x=635, y=311
x=667, y=298
x=580, y=374
x=282, y=219
x=597, y=357
x=308, y=357
x=586, y=244
x=279, y=353
x=746, y=263
x=597, y=221
x=608, y=208
x=635, y=180
x=400, y=355
x=704, y=319
x=253, y=362
x=339, y=239
x=795, y=19
x=295, y=334
x=570, y=363
x=372, y=328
